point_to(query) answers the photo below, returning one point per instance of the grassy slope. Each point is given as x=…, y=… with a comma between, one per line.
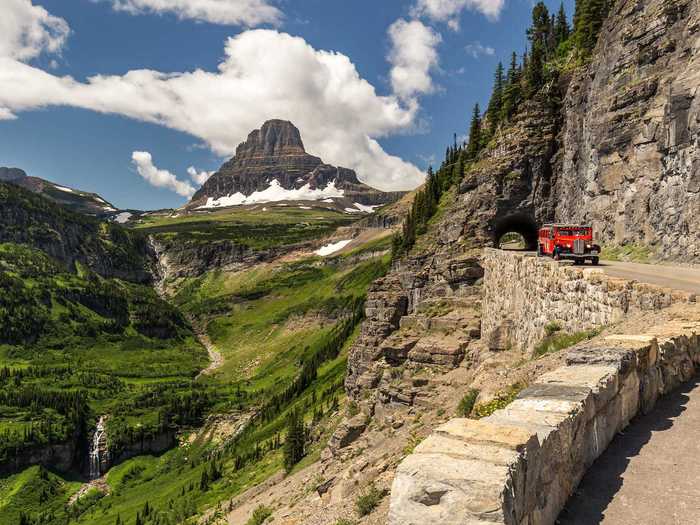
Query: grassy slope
x=257, y=227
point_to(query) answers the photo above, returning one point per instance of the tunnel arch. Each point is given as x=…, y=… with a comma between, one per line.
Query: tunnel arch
x=521, y=223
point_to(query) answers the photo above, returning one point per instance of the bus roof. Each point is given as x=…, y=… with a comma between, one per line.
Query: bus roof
x=563, y=225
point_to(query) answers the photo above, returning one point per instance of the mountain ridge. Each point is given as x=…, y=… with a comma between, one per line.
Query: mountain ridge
x=77, y=200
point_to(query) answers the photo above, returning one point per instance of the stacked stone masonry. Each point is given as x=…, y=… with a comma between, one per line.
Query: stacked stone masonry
x=523, y=293
x=520, y=465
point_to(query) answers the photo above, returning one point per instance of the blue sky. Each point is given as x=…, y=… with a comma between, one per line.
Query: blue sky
x=84, y=135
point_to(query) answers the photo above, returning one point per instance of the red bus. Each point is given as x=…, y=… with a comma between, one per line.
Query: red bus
x=568, y=241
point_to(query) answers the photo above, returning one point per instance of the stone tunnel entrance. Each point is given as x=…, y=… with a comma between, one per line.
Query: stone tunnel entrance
x=516, y=229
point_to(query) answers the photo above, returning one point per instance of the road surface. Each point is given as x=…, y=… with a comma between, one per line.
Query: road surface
x=676, y=277
x=684, y=278
x=650, y=473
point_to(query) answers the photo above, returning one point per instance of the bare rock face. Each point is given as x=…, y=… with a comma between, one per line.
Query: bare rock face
x=630, y=162
x=346, y=433
x=276, y=152
x=423, y=315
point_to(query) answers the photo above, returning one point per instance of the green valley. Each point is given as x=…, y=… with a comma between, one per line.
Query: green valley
x=78, y=346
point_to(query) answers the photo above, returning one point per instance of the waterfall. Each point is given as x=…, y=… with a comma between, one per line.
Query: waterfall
x=98, y=441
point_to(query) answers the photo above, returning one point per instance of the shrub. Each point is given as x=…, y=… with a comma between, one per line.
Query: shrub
x=260, y=515
x=344, y=521
x=552, y=327
x=464, y=409
x=558, y=341
x=369, y=500
x=502, y=400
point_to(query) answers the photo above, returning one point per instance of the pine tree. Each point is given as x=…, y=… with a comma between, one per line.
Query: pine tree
x=512, y=92
x=588, y=20
x=457, y=170
x=474, y=144
x=561, y=26
x=496, y=102
x=295, y=442
x=538, y=35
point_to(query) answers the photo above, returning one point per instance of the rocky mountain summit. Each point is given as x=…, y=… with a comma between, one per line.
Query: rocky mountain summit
x=273, y=165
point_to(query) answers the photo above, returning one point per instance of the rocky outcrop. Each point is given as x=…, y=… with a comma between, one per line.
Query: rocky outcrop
x=276, y=152
x=522, y=294
x=151, y=444
x=630, y=148
x=423, y=314
x=58, y=456
x=519, y=465
x=11, y=174
x=178, y=258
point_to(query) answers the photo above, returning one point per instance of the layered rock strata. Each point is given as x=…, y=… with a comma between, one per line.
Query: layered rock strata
x=275, y=152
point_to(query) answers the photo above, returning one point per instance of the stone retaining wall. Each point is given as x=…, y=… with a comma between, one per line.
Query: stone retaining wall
x=520, y=465
x=523, y=293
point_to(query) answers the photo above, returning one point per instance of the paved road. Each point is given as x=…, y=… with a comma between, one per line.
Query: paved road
x=676, y=277
x=650, y=474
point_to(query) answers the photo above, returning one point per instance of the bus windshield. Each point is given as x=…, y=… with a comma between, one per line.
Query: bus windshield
x=572, y=232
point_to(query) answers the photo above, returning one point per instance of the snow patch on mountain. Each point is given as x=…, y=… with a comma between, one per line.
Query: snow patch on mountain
x=331, y=248
x=123, y=217
x=275, y=192
x=366, y=209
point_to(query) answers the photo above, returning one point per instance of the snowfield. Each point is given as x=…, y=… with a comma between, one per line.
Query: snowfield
x=329, y=249
x=275, y=192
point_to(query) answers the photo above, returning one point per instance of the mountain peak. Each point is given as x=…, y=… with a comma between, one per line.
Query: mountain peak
x=275, y=138
x=272, y=165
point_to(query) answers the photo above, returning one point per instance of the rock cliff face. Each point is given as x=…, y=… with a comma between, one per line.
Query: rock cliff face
x=276, y=152
x=622, y=151
x=630, y=147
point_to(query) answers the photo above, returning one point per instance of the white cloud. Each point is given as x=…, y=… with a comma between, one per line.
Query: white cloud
x=264, y=74
x=27, y=30
x=413, y=56
x=6, y=114
x=448, y=11
x=477, y=49
x=157, y=177
x=249, y=13
x=200, y=177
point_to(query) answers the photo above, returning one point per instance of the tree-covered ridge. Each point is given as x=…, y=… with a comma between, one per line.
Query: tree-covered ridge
x=71, y=345
x=69, y=237
x=555, y=48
